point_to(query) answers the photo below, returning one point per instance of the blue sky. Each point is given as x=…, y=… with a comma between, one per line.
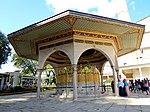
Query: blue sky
x=16, y=14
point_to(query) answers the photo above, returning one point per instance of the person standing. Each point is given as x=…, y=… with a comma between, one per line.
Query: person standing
x=112, y=86
x=126, y=84
x=136, y=86
x=121, y=88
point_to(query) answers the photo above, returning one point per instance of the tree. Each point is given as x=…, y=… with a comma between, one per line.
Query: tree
x=30, y=67
x=27, y=66
x=48, y=69
x=5, y=49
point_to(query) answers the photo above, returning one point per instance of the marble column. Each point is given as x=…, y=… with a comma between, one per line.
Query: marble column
x=140, y=73
x=115, y=81
x=74, y=82
x=39, y=71
x=102, y=88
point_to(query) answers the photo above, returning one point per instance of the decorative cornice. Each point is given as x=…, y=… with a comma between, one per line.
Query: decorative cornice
x=56, y=44
x=79, y=33
x=94, y=34
x=77, y=41
x=60, y=36
x=132, y=31
x=72, y=34
x=70, y=20
x=140, y=38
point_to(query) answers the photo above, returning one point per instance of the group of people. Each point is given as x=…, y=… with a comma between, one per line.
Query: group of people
x=140, y=85
x=125, y=87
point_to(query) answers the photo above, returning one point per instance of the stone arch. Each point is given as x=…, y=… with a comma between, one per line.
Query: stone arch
x=74, y=53
x=105, y=53
x=95, y=84
x=44, y=54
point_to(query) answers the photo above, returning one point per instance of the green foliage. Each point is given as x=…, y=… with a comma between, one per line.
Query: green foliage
x=27, y=66
x=5, y=49
x=48, y=69
x=49, y=87
x=67, y=69
x=108, y=80
x=30, y=67
x=87, y=69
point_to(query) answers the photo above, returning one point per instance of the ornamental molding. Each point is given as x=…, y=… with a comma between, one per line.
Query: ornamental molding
x=76, y=33
x=88, y=38
x=70, y=20
x=132, y=31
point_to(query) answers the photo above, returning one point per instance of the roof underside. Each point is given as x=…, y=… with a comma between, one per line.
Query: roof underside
x=129, y=34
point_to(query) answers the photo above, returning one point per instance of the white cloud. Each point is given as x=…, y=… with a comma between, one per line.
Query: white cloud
x=106, y=8
x=8, y=68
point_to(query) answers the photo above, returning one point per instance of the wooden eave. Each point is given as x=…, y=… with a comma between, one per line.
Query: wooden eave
x=76, y=21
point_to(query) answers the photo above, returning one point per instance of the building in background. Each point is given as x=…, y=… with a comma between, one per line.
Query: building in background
x=4, y=78
x=136, y=65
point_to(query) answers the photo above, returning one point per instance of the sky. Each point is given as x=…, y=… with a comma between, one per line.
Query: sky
x=17, y=14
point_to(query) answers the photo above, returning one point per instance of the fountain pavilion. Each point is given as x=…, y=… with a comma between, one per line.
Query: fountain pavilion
x=77, y=45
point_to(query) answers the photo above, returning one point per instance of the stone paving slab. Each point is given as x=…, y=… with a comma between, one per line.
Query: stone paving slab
x=137, y=102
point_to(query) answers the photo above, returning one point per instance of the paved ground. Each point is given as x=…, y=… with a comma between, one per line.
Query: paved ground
x=137, y=102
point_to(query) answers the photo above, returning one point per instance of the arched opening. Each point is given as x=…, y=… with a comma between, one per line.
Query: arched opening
x=89, y=73
x=48, y=77
x=63, y=72
x=58, y=58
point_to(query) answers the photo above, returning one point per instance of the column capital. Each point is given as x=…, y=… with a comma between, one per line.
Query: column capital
x=39, y=70
x=74, y=67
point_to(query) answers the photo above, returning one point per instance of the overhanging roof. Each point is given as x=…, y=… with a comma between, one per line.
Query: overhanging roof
x=129, y=34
